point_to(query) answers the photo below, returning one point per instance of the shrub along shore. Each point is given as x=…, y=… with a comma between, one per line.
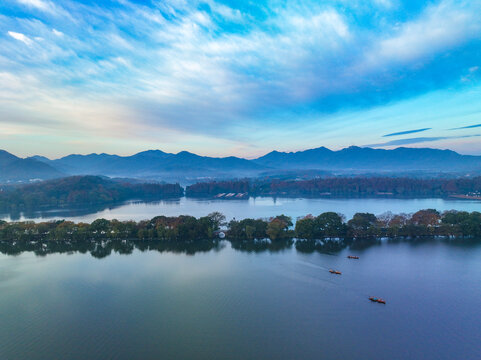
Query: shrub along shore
x=328, y=226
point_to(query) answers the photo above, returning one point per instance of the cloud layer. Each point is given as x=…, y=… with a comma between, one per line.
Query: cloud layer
x=218, y=77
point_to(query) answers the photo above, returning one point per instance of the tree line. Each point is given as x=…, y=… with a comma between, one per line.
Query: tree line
x=343, y=186
x=328, y=226
x=96, y=190
x=81, y=190
x=216, y=187
x=170, y=229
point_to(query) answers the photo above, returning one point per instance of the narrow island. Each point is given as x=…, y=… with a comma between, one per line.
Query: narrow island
x=328, y=231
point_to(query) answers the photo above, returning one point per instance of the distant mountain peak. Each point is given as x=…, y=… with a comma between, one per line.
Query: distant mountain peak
x=318, y=149
x=6, y=157
x=187, y=154
x=150, y=154
x=13, y=168
x=39, y=158
x=152, y=151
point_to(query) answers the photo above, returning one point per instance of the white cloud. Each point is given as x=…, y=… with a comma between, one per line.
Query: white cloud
x=323, y=22
x=225, y=11
x=20, y=37
x=42, y=5
x=440, y=27
x=122, y=61
x=173, y=66
x=57, y=33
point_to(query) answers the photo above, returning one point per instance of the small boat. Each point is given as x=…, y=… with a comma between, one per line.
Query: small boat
x=335, y=272
x=377, y=300
x=352, y=257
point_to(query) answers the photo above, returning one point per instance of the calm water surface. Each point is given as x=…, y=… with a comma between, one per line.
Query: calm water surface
x=228, y=304
x=254, y=207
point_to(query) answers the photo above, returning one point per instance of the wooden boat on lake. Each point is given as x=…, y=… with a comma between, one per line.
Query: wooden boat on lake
x=335, y=272
x=352, y=257
x=377, y=300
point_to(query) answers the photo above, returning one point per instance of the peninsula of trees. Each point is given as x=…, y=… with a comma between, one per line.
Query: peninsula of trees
x=82, y=190
x=77, y=191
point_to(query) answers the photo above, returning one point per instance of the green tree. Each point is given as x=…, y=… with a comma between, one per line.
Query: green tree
x=363, y=225
x=277, y=228
x=330, y=224
x=305, y=228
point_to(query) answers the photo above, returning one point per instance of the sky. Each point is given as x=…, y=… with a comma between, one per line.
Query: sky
x=239, y=78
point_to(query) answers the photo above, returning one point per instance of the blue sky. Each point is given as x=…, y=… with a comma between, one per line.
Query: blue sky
x=238, y=77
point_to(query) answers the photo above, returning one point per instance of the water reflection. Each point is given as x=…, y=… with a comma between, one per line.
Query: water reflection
x=262, y=245
x=77, y=211
x=102, y=248
x=261, y=207
x=261, y=301
x=324, y=247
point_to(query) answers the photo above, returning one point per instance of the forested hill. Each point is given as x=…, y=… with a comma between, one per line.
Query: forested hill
x=80, y=190
x=343, y=186
x=96, y=190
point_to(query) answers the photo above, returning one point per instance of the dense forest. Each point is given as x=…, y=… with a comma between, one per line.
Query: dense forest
x=344, y=186
x=217, y=187
x=81, y=190
x=96, y=190
x=327, y=226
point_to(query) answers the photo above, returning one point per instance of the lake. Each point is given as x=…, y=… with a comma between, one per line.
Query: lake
x=230, y=304
x=261, y=207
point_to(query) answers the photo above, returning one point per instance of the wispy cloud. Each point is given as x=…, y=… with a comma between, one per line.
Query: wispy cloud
x=211, y=71
x=406, y=132
x=466, y=127
x=42, y=5
x=418, y=140
x=20, y=37
x=442, y=25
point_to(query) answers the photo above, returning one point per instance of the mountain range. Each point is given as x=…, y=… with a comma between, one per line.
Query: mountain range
x=13, y=168
x=159, y=165
x=378, y=160
x=154, y=164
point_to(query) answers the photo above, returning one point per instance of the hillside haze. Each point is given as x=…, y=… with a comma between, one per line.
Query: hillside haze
x=13, y=168
x=156, y=164
x=368, y=159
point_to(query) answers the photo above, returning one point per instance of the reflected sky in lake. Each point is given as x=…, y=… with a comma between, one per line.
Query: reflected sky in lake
x=228, y=304
x=260, y=207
